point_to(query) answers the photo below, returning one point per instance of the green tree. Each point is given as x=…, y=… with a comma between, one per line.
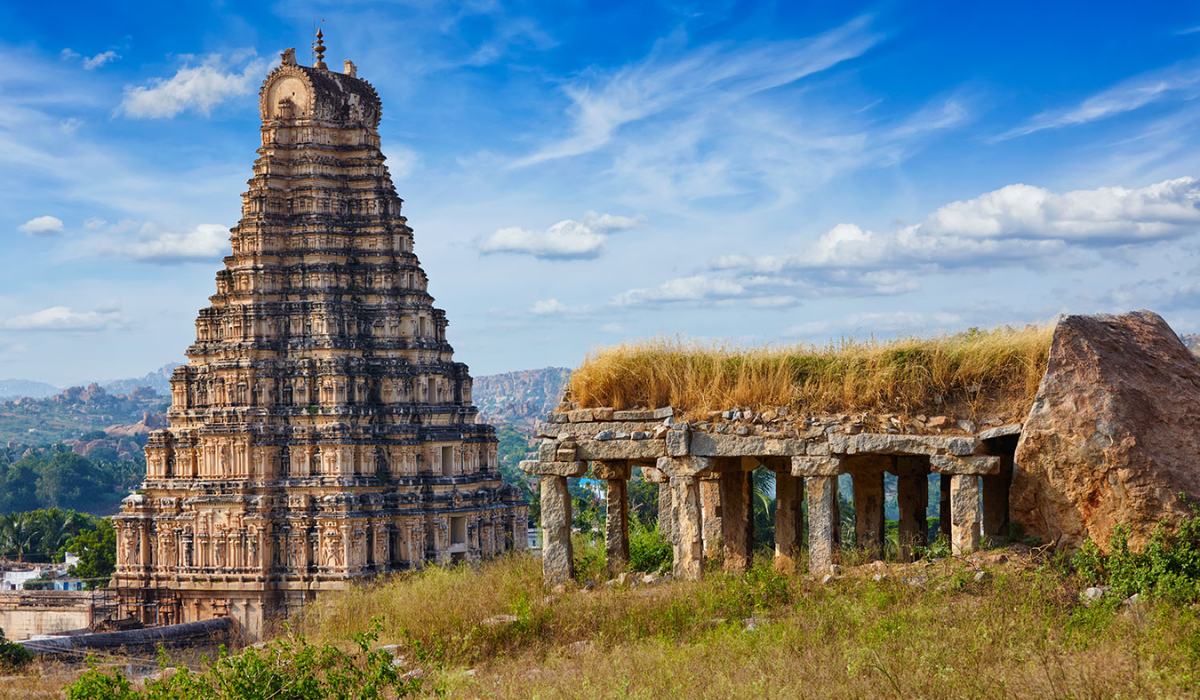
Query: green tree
x=19, y=486
x=18, y=535
x=71, y=481
x=97, y=551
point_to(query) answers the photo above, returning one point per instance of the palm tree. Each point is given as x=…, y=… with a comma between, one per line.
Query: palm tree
x=18, y=533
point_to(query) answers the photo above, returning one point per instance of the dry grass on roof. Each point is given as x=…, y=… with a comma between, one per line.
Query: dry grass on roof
x=995, y=372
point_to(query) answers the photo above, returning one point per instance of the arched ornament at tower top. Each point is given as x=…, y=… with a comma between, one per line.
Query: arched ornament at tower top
x=292, y=91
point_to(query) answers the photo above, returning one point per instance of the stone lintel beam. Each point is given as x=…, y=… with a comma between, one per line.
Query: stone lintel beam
x=687, y=466
x=536, y=468
x=590, y=430
x=716, y=445
x=805, y=465
x=610, y=470
x=975, y=464
x=1001, y=431
x=620, y=449
x=886, y=444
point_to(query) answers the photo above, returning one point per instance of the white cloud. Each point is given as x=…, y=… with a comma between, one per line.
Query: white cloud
x=554, y=307
x=566, y=240
x=202, y=243
x=725, y=74
x=694, y=288
x=1181, y=81
x=89, y=63
x=196, y=87
x=99, y=59
x=64, y=318
x=42, y=226
x=1014, y=223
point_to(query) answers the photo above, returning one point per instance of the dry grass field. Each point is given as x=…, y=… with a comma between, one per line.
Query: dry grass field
x=997, y=371
x=924, y=630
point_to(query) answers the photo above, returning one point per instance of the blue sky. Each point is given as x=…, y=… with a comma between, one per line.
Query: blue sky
x=579, y=174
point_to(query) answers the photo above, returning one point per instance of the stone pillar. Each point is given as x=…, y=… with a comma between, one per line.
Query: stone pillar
x=616, y=526
x=822, y=522
x=666, y=511
x=558, y=564
x=944, y=508
x=710, y=502
x=616, y=519
x=789, y=494
x=964, y=516
x=995, y=499
x=689, y=549
x=912, y=497
x=868, y=511
x=735, y=511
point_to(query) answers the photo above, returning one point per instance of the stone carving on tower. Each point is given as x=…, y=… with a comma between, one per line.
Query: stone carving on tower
x=321, y=431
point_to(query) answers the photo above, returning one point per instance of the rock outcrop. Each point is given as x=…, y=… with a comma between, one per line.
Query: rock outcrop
x=1114, y=433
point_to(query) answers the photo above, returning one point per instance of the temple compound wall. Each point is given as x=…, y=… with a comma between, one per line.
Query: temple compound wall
x=705, y=488
x=321, y=431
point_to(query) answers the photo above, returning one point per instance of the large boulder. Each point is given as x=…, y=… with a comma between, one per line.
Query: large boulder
x=1114, y=434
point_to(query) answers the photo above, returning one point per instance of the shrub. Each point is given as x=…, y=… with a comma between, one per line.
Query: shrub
x=1168, y=567
x=12, y=656
x=285, y=668
x=648, y=549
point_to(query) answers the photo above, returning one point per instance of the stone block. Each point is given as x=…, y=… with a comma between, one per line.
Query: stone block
x=620, y=449
x=1001, y=431
x=881, y=443
x=610, y=470
x=710, y=445
x=975, y=464
x=557, y=418
x=677, y=441
x=964, y=514
x=557, y=558
x=688, y=466
x=581, y=415
x=536, y=468
x=822, y=518
x=602, y=414
x=805, y=465
x=633, y=415
x=661, y=413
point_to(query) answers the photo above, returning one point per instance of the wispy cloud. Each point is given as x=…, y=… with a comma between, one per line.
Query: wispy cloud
x=150, y=243
x=64, y=318
x=1180, y=81
x=198, y=88
x=566, y=240
x=92, y=62
x=716, y=73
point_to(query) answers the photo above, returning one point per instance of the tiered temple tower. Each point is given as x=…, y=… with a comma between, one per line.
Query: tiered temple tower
x=321, y=431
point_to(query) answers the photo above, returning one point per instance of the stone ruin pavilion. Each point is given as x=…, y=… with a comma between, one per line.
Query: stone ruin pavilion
x=321, y=431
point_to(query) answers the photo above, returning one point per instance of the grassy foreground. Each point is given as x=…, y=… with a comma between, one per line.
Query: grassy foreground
x=1020, y=632
x=997, y=371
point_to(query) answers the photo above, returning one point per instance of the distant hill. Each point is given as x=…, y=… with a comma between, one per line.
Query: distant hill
x=1192, y=341
x=158, y=380
x=78, y=411
x=35, y=413
x=519, y=399
x=16, y=388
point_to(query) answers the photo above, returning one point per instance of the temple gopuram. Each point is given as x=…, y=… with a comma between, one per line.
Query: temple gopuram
x=320, y=432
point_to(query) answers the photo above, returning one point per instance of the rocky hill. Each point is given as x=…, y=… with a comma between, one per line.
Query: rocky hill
x=78, y=411
x=519, y=399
